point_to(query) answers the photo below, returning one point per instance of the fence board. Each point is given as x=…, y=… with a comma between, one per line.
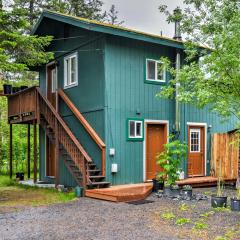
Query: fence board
x=225, y=153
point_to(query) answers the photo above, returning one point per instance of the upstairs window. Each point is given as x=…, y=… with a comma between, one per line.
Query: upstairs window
x=155, y=71
x=135, y=129
x=70, y=71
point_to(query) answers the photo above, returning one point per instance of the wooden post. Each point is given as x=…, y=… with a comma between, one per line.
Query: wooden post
x=28, y=151
x=35, y=151
x=57, y=180
x=10, y=152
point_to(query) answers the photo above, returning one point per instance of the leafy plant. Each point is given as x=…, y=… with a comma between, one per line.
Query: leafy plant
x=182, y=221
x=200, y=225
x=207, y=214
x=187, y=187
x=238, y=193
x=184, y=207
x=168, y=216
x=170, y=159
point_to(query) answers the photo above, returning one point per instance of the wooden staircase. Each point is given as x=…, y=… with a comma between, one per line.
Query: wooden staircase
x=76, y=159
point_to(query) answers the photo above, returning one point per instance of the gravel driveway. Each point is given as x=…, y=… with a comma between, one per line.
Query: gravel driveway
x=93, y=219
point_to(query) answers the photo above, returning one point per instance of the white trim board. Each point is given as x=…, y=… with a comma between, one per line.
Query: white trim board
x=205, y=126
x=146, y=121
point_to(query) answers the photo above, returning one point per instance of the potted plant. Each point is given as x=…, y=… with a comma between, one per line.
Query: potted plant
x=170, y=160
x=158, y=183
x=7, y=88
x=187, y=191
x=219, y=200
x=235, y=201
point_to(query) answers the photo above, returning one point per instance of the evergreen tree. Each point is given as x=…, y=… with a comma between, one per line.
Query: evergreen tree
x=112, y=16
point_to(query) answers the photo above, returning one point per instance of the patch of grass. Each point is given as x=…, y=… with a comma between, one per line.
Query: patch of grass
x=168, y=216
x=221, y=209
x=207, y=214
x=182, y=221
x=200, y=225
x=220, y=238
x=184, y=207
x=17, y=195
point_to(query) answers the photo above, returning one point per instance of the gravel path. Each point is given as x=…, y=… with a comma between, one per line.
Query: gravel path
x=93, y=219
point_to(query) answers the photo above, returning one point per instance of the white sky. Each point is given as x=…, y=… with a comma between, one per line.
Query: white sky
x=144, y=14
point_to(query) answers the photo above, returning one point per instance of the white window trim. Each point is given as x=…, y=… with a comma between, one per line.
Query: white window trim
x=135, y=129
x=65, y=71
x=156, y=73
x=199, y=143
x=56, y=80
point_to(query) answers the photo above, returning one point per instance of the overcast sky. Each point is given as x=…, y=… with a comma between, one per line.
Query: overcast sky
x=144, y=14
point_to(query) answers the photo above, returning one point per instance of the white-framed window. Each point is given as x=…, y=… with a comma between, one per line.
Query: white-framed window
x=195, y=140
x=71, y=70
x=155, y=71
x=135, y=129
x=54, y=79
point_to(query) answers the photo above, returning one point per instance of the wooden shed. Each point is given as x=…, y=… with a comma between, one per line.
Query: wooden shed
x=225, y=160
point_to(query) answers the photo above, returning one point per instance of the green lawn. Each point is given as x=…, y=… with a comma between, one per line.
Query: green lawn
x=14, y=196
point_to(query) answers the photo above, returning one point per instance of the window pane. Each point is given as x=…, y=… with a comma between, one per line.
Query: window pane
x=160, y=71
x=73, y=70
x=131, y=128
x=68, y=71
x=54, y=80
x=195, y=140
x=151, y=70
x=138, y=129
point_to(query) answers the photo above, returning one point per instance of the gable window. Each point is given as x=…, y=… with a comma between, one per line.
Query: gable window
x=155, y=71
x=70, y=71
x=135, y=129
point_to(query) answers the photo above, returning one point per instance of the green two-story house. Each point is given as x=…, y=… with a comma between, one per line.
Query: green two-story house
x=105, y=123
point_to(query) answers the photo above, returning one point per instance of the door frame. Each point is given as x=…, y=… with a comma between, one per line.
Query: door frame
x=146, y=122
x=199, y=124
x=46, y=78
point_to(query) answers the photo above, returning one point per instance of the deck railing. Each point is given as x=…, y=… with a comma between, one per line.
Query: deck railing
x=23, y=106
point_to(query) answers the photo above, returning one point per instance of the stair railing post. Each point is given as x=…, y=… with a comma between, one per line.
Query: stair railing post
x=57, y=181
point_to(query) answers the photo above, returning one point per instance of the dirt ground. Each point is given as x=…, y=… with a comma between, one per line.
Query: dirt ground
x=88, y=219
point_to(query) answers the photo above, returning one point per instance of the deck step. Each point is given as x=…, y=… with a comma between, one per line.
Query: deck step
x=99, y=184
x=94, y=172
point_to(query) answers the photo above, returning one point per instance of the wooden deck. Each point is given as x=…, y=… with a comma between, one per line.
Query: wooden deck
x=122, y=193
x=203, y=181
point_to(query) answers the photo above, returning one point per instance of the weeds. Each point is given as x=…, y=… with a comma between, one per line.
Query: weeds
x=182, y=221
x=184, y=207
x=168, y=216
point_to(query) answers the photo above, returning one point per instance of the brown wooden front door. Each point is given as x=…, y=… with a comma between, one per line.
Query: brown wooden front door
x=196, y=151
x=51, y=96
x=155, y=139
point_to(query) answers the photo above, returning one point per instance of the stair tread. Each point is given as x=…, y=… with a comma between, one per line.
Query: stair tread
x=99, y=183
x=100, y=176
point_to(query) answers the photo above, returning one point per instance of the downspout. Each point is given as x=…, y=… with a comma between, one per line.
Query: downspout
x=177, y=104
x=177, y=36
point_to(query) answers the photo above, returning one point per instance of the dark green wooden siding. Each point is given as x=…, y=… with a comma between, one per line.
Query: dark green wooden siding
x=88, y=96
x=127, y=94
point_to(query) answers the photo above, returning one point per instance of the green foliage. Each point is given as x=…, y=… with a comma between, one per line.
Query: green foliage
x=212, y=80
x=182, y=221
x=238, y=193
x=207, y=214
x=170, y=159
x=184, y=207
x=221, y=209
x=168, y=216
x=200, y=225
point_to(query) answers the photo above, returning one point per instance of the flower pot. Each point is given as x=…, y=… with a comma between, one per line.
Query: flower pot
x=23, y=87
x=171, y=192
x=15, y=89
x=20, y=176
x=7, y=88
x=157, y=185
x=218, y=201
x=235, y=204
x=186, y=193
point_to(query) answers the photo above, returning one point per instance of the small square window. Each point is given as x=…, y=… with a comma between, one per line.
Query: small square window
x=155, y=71
x=70, y=71
x=135, y=129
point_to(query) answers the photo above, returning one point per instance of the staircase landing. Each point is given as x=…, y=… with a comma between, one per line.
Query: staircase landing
x=121, y=193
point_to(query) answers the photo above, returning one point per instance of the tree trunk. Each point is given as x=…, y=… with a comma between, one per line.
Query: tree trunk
x=31, y=9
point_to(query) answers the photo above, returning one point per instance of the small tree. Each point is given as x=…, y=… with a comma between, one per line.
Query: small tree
x=170, y=160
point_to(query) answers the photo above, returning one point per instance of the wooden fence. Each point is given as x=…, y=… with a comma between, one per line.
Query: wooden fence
x=225, y=155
